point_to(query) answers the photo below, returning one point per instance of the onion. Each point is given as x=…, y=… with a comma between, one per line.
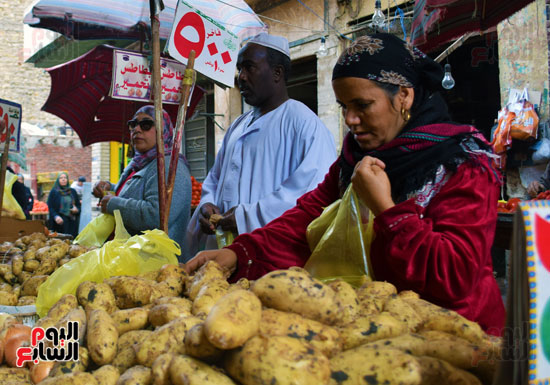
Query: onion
x=41, y=370
x=15, y=336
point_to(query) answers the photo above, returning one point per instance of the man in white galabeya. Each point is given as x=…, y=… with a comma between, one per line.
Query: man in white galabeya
x=270, y=155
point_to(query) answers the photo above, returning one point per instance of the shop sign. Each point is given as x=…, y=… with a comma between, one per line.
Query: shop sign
x=132, y=77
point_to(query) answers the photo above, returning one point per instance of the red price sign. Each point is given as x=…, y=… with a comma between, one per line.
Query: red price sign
x=190, y=24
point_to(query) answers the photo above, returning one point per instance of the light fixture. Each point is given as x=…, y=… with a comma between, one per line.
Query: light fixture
x=323, y=51
x=378, y=18
x=448, y=82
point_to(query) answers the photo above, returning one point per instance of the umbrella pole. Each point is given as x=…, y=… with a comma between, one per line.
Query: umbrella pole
x=155, y=25
x=4, y=164
x=186, y=82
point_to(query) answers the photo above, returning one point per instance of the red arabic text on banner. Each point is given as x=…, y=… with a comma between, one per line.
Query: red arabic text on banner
x=215, y=47
x=10, y=113
x=132, y=77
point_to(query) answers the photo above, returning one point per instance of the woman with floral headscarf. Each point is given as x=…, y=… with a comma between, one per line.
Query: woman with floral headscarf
x=430, y=183
x=136, y=193
x=63, y=206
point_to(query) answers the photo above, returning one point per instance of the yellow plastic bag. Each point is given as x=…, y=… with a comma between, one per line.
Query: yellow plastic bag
x=340, y=241
x=10, y=207
x=97, y=231
x=224, y=238
x=121, y=256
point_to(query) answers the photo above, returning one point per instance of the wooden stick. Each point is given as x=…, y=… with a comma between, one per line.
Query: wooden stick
x=157, y=97
x=4, y=163
x=186, y=84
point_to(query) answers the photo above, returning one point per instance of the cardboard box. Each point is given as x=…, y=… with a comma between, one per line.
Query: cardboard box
x=11, y=229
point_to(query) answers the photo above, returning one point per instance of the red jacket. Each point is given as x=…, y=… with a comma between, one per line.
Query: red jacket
x=442, y=251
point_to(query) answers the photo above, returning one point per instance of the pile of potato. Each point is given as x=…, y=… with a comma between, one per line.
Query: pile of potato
x=33, y=258
x=285, y=328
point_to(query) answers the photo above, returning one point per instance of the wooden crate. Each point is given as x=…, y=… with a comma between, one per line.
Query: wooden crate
x=24, y=314
x=11, y=229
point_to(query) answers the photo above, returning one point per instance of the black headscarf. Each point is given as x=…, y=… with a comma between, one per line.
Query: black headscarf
x=429, y=139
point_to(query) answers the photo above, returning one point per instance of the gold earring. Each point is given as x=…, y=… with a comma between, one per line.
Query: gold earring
x=406, y=114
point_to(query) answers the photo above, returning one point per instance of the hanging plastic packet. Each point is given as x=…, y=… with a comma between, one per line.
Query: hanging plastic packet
x=340, y=241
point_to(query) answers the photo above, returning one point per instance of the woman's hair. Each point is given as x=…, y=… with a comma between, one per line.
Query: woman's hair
x=391, y=90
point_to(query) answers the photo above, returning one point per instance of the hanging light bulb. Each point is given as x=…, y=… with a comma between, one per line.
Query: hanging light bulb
x=378, y=18
x=448, y=82
x=323, y=51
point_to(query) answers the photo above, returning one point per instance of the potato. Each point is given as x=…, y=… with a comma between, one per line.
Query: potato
x=70, y=379
x=198, y=346
x=295, y=291
x=64, y=367
x=324, y=338
x=106, y=375
x=367, y=329
x=131, y=338
x=185, y=370
x=376, y=289
x=8, y=298
x=62, y=307
x=7, y=274
x=166, y=339
x=402, y=311
x=437, y=318
x=63, y=261
x=31, y=285
x=131, y=291
x=176, y=272
x=55, y=251
x=125, y=359
x=26, y=300
x=31, y=265
x=242, y=283
x=135, y=375
x=23, y=276
x=77, y=315
x=365, y=365
x=29, y=255
x=17, y=264
x=160, y=370
x=162, y=314
x=277, y=360
x=93, y=295
x=182, y=303
x=233, y=320
x=76, y=250
x=150, y=275
x=435, y=372
x=17, y=375
x=130, y=319
x=47, y=266
x=407, y=294
x=346, y=300
x=46, y=322
x=208, y=295
x=170, y=287
x=6, y=287
x=207, y=272
x=102, y=337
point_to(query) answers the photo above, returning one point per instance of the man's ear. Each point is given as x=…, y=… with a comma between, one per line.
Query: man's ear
x=278, y=74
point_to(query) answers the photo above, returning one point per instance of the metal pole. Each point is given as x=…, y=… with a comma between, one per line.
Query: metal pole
x=186, y=82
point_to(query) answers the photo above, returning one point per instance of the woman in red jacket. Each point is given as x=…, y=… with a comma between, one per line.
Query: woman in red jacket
x=429, y=182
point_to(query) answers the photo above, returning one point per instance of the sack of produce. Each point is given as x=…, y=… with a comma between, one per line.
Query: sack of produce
x=340, y=241
x=97, y=231
x=124, y=255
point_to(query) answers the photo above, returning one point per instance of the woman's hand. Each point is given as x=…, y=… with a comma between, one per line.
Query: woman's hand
x=372, y=185
x=100, y=187
x=58, y=220
x=74, y=210
x=226, y=258
x=104, y=201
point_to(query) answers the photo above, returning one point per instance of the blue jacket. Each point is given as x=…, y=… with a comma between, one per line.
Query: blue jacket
x=139, y=204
